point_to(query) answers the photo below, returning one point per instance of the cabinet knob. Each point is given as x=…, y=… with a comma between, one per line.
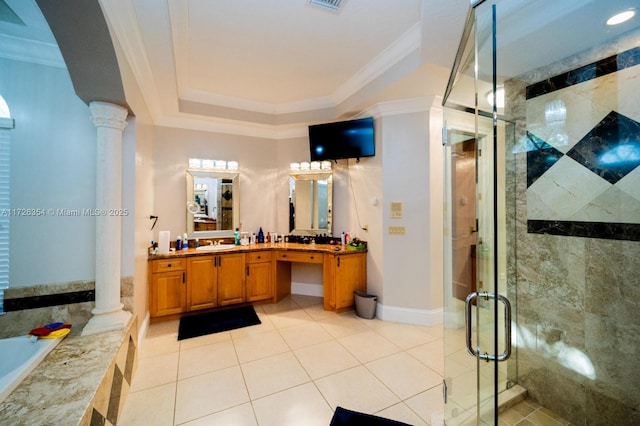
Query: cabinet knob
x=168, y=265
x=311, y=257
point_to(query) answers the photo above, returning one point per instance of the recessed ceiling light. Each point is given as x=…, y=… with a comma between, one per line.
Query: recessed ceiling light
x=621, y=17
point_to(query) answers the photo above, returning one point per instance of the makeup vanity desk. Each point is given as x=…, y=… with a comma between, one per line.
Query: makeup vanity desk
x=191, y=280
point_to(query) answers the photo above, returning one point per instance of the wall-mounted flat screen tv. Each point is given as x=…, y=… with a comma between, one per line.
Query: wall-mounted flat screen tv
x=343, y=139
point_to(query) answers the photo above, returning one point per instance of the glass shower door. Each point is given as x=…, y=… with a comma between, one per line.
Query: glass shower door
x=477, y=311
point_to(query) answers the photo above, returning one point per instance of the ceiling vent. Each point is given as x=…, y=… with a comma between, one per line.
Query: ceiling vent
x=332, y=5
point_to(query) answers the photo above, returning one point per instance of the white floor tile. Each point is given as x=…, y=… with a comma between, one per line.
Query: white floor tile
x=273, y=374
x=241, y=415
x=356, y=389
x=302, y=405
x=154, y=406
x=209, y=393
x=307, y=334
x=155, y=371
x=402, y=413
x=404, y=375
x=207, y=358
x=325, y=358
x=368, y=346
x=293, y=369
x=262, y=345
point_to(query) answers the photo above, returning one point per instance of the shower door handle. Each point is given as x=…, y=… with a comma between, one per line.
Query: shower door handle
x=507, y=326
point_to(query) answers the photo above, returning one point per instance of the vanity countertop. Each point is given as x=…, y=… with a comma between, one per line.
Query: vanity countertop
x=313, y=248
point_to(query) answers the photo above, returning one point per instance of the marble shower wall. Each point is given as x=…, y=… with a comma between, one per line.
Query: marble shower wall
x=574, y=248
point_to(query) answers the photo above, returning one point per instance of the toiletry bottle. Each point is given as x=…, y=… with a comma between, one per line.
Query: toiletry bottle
x=236, y=237
x=268, y=237
x=342, y=238
x=253, y=238
x=260, y=236
x=185, y=242
x=178, y=244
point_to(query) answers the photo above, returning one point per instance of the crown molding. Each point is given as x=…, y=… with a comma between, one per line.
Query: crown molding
x=32, y=51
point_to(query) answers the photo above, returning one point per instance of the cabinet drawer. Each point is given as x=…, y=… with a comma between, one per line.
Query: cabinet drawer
x=290, y=256
x=259, y=256
x=166, y=265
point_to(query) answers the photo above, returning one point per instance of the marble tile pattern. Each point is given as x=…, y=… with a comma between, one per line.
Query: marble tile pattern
x=84, y=381
x=575, y=290
x=583, y=166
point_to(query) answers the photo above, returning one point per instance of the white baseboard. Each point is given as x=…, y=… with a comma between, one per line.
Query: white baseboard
x=305, y=289
x=410, y=315
x=144, y=328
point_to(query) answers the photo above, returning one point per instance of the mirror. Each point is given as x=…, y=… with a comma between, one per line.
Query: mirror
x=310, y=203
x=213, y=203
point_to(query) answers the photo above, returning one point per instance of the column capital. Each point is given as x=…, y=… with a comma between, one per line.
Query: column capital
x=105, y=114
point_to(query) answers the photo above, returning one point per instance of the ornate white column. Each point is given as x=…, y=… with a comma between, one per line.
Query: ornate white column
x=110, y=121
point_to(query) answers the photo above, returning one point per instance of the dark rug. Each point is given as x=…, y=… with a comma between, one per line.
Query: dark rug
x=344, y=417
x=215, y=322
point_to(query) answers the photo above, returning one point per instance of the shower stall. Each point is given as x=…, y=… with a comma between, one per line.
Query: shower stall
x=542, y=208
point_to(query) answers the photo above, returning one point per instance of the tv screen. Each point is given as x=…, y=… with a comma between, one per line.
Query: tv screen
x=343, y=139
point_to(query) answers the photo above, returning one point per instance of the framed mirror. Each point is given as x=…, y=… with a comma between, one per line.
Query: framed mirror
x=310, y=203
x=213, y=203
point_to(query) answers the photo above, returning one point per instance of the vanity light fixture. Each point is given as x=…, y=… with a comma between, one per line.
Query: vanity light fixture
x=206, y=164
x=621, y=17
x=313, y=166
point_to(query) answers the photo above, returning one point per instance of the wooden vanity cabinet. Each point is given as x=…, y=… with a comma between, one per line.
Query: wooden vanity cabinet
x=168, y=288
x=230, y=279
x=343, y=274
x=216, y=280
x=259, y=276
x=201, y=282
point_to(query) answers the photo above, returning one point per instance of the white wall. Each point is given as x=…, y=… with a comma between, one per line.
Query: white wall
x=405, y=271
x=53, y=151
x=258, y=164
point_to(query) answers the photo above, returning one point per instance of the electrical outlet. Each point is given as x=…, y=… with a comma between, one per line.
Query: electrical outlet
x=396, y=230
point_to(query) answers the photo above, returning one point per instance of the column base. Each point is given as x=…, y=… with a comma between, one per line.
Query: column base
x=102, y=323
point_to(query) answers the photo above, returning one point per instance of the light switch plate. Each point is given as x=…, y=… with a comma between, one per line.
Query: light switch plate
x=397, y=208
x=396, y=230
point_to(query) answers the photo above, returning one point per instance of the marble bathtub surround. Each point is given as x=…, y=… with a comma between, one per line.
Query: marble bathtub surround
x=84, y=380
x=71, y=302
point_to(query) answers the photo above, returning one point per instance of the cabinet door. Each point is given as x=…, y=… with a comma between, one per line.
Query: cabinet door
x=167, y=293
x=231, y=283
x=201, y=286
x=259, y=282
x=350, y=275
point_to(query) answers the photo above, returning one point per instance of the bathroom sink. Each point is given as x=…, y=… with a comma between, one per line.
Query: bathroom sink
x=215, y=248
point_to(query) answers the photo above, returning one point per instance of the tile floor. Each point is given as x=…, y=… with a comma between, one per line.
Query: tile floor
x=530, y=413
x=293, y=369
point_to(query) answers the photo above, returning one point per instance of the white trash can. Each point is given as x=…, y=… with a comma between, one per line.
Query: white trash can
x=365, y=304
